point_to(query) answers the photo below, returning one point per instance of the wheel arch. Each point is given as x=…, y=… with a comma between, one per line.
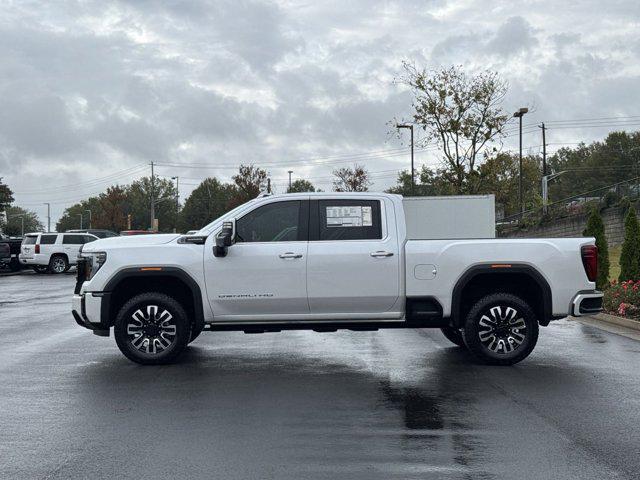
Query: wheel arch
x=172, y=281
x=519, y=279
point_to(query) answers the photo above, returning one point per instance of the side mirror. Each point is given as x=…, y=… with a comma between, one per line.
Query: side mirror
x=224, y=239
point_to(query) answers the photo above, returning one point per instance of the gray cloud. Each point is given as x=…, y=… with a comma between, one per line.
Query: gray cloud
x=92, y=88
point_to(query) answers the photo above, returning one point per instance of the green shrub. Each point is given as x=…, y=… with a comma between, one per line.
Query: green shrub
x=630, y=256
x=595, y=228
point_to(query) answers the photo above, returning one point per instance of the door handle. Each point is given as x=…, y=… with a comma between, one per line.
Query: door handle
x=381, y=253
x=290, y=255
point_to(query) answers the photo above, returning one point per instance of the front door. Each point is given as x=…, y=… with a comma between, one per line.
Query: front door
x=264, y=274
x=354, y=260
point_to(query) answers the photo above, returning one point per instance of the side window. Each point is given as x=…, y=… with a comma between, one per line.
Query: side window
x=73, y=240
x=48, y=239
x=349, y=220
x=88, y=239
x=274, y=222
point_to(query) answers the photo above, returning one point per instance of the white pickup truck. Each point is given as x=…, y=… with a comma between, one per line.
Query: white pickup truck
x=328, y=261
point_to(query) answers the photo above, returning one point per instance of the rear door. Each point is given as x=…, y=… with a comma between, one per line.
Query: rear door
x=353, y=265
x=48, y=245
x=71, y=243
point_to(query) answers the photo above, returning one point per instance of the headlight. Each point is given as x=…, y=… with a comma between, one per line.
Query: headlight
x=95, y=260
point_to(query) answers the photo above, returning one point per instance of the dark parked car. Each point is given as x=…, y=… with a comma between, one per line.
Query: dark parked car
x=100, y=233
x=9, y=251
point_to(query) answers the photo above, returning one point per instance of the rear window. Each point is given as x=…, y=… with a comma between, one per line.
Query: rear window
x=48, y=239
x=30, y=240
x=73, y=240
x=349, y=220
x=89, y=238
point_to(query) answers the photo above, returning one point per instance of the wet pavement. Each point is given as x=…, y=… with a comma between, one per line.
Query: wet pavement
x=301, y=405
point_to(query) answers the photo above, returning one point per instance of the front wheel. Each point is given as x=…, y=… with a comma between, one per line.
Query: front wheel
x=501, y=329
x=152, y=329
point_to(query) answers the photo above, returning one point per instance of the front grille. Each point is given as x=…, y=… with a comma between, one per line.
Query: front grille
x=81, y=274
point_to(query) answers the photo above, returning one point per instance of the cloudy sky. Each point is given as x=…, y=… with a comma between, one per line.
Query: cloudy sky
x=91, y=92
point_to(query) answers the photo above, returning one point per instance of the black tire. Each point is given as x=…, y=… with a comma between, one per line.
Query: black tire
x=58, y=264
x=454, y=335
x=195, y=333
x=40, y=268
x=138, y=316
x=500, y=329
x=14, y=265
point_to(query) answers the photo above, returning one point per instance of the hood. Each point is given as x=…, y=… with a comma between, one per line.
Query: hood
x=130, y=241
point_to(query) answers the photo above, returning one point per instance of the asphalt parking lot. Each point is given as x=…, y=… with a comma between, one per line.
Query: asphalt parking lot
x=389, y=404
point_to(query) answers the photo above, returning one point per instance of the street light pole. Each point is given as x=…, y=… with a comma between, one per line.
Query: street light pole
x=177, y=179
x=48, y=216
x=413, y=177
x=89, y=217
x=80, y=215
x=519, y=114
x=290, y=172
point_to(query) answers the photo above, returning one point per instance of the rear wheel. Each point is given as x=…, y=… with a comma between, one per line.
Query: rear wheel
x=152, y=329
x=58, y=264
x=501, y=329
x=454, y=335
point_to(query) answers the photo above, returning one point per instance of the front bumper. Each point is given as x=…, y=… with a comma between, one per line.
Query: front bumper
x=86, y=309
x=586, y=303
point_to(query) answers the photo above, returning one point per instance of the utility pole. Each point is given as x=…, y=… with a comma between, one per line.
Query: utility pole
x=290, y=172
x=80, y=215
x=153, y=203
x=177, y=179
x=519, y=114
x=544, y=149
x=413, y=176
x=89, y=217
x=48, y=216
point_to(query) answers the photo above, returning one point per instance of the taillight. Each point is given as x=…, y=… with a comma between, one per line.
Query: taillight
x=37, y=249
x=590, y=261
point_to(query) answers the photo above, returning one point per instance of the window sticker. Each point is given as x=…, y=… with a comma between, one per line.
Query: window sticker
x=349, y=217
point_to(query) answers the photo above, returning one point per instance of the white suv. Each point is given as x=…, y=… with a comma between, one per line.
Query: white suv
x=54, y=252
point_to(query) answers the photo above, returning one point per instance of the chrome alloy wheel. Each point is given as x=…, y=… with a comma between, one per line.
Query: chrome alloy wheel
x=502, y=329
x=58, y=265
x=151, y=333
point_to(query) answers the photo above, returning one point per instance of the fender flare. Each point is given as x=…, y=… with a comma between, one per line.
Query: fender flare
x=175, y=272
x=519, y=268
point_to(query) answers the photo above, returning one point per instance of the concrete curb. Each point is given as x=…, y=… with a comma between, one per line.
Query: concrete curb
x=615, y=320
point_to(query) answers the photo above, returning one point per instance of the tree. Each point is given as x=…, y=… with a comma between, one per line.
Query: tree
x=630, y=255
x=112, y=211
x=6, y=196
x=459, y=113
x=139, y=204
x=15, y=215
x=595, y=228
x=301, y=185
x=208, y=201
x=500, y=174
x=354, y=179
x=249, y=182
